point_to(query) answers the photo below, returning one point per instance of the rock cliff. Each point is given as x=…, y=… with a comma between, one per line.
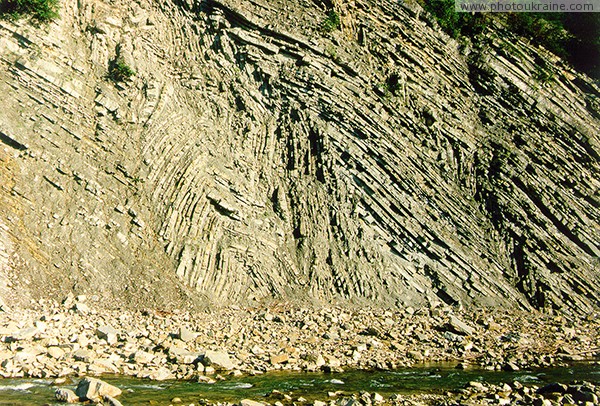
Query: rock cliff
x=254, y=156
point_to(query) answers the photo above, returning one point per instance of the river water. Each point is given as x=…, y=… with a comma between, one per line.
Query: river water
x=429, y=379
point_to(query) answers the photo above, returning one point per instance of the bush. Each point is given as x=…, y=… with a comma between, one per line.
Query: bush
x=543, y=72
x=332, y=22
x=545, y=30
x=454, y=23
x=447, y=18
x=41, y=10
x=119, y=71
x=572, y=36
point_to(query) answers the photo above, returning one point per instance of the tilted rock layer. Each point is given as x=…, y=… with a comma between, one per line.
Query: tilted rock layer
x=254, y=156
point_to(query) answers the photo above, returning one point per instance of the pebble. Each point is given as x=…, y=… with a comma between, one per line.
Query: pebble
x=249, y=402
x=551, y=394
x=59, y=340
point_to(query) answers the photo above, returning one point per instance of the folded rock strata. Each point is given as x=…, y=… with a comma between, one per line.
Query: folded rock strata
x=253, y=156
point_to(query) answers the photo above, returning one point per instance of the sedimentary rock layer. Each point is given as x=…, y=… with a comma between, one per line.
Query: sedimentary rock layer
x=255, y=156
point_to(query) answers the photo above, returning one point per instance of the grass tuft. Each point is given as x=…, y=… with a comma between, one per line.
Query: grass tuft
x=40, y=10
x=119, y=71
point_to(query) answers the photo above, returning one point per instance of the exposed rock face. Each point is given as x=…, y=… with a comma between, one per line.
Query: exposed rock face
x=253, y=156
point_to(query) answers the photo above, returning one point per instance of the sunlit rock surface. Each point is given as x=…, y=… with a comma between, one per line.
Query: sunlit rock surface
x=255, y=157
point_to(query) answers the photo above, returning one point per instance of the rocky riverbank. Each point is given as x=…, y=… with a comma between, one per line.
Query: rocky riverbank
x=477, y=393
x=77, y=338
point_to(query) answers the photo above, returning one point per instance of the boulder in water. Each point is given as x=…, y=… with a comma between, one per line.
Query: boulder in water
x=66, y=395
x=94, y=389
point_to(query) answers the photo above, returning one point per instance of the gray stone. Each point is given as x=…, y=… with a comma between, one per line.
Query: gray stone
x=143, y=357
x=511, y=367
x=56, y=352
x=553, y=388
x=82, y=308
x=316, y=358
x=26, y=333
x=460, y=327
x=85, y=355
x=111, y=401
x=218, y=359
x=584, y=396
x=248, y=402
x=478, y=386
x=347, y=402
x=108, y=333
x=94, y=389
x=66, y=395
x=452, y=337
x=206, y=379
x=183, y=356
x=279, y=359
x=9, y=329
x=186, y=335
x=161, y=374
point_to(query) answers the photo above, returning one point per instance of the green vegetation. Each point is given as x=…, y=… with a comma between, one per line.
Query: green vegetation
x=40, y=10
x=572, y=36
x=332, y=22
x=119, y=71
x=543, y=72
x=456, y=24
x=332, y=52
x=392, y=84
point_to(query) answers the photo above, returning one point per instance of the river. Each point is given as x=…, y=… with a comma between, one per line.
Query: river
x=426, y=379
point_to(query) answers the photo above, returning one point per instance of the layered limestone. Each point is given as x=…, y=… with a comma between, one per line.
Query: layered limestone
x=254, y=156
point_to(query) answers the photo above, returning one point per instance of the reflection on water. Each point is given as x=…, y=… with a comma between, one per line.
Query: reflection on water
x=25, y=392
